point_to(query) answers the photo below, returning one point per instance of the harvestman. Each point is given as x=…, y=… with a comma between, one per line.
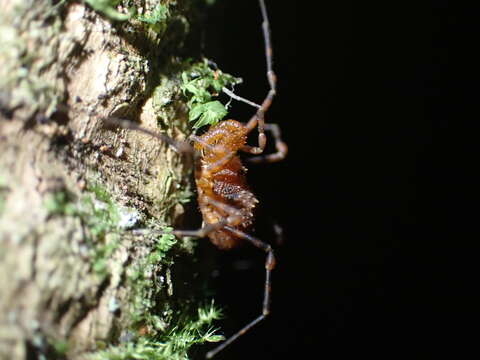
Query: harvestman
x=224, y=197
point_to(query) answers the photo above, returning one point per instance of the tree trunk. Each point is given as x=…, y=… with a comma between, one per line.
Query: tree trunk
x=74, y=282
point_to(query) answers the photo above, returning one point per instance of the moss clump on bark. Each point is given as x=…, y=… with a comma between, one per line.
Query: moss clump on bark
x=173, y=344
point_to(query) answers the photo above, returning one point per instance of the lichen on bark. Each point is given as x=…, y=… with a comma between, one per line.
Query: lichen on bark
x=74, y=282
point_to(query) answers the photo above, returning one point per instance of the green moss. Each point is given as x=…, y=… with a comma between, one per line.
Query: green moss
x=201, y=83
x=98, y=213
x=101, y=216
x=157, y=18
x=146, y=283
x=159, y=327
x=108, y=8
x=60, y=347
x=3, y=191
x=162, y=246
x=22, y=74
x=60, y=203
x=174, y=343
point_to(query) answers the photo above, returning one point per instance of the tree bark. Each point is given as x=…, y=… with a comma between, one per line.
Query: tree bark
x=72, y=277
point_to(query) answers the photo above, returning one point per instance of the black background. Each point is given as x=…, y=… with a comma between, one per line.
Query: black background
x=377, y=103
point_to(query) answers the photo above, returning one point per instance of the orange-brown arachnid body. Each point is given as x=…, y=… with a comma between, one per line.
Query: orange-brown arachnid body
x=224, y=198
x=225, y=183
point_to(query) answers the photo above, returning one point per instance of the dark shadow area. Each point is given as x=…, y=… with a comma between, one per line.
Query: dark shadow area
x=377, y=103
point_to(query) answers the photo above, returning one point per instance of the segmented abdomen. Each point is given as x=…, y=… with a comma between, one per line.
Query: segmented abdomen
x=229, y=187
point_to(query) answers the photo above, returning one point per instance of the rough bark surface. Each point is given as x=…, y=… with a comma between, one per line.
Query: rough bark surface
x=65, y=272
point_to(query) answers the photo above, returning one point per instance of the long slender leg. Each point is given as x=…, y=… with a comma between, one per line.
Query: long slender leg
x=239, y=98
x=280, y=154
x=234, y=218
x=202, y=232
x=269, y=265
x=280, y=145
x=178, y=146
x=259, y=118
x=218, y=149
